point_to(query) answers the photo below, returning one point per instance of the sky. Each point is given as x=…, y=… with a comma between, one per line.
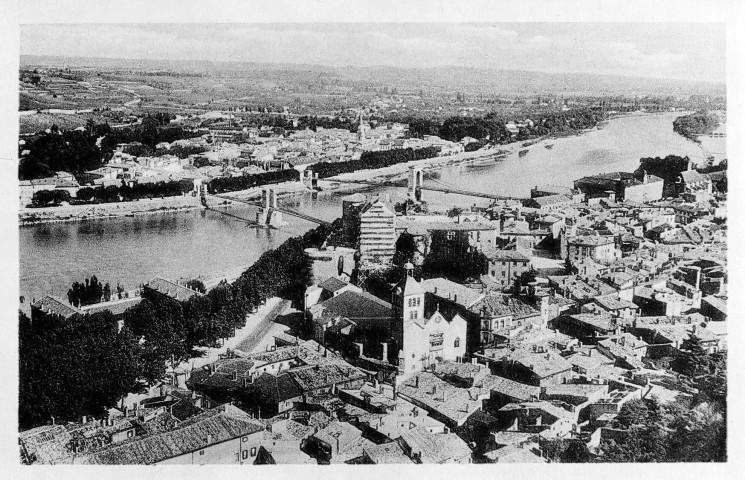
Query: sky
x=686, y=51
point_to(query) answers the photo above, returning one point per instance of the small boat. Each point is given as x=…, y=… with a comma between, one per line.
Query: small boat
x=522, y=153
x=549, y=146
x=602, y=124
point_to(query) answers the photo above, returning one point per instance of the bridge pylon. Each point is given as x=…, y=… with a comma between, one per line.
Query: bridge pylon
x=416, y=181
x=268, y=213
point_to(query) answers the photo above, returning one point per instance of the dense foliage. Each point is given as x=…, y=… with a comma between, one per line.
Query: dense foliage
x=43, y=198
x=231, y=184
x=88, y=292
x=373, y=160
x=453, y=258
x=125, y=193
x=699, y=123
x=83, y=365
x=492, y=127
x=76, y=151
x=74, y=368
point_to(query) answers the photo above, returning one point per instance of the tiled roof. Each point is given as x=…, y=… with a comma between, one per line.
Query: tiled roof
x=386, y=453
x=506, y=255
x=352, y=305
x=54, y=306
x=541, y=364
x=518, y=391
x=313, y=377
x=449, y=290
x=613, y=302
x=514, y=454
x=215, y=426
x=332, y=284
x=591, y=240
x=116, y=307
x=171, y=289
x=497, y=305
x=436, y=447
x=598, y=321
x=436, y=395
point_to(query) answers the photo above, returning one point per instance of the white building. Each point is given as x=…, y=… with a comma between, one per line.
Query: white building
x=428, y=338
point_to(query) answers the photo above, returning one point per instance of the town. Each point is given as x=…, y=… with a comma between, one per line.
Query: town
x=372, y=243
x=519, y=332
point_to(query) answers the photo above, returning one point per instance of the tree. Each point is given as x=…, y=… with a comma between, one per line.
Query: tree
x=693, y=359
x=197, y=285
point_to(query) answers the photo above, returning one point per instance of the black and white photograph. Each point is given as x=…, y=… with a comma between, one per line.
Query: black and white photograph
x=321, y=241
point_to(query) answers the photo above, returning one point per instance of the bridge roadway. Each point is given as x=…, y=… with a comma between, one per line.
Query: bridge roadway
x=284, y=210
x=444, y=189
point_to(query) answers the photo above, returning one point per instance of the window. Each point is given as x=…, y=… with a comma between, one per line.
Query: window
x=201, y=452
x=456, y=344
x=419, y=301
x=269, y=428
x=253, y=452
x=411, y=302
x=415, y=314
x=130, y=433
x=244, y=455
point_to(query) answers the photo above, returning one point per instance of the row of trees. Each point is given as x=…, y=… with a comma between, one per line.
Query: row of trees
x=85, y=364
x=373, y=160
x=114, y=193
x=232, y=184
x=493, y=126
x=89, y=292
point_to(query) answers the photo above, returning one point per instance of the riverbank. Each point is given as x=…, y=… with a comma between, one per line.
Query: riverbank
x=394, y=173
x=80, y=213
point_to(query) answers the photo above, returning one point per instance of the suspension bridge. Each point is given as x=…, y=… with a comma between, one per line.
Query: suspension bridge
x=270, y=212
x=416, y=182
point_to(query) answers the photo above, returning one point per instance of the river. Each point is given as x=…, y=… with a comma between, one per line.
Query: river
x=207, y=244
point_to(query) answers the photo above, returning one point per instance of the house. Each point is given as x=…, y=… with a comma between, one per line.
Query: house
x=340, y=442
x=505, y=266
x=52, y=308
x=625, y=349
x=714, y=307
x=443, y=401
x=514, y=454
x=541, y=417
x=223, y=435
x=386, y=453
x=363, y=315
x=612, y=305
x=159, y=286
x=422, y=446
x=588, y=327
x=600, y=248
x=531, y=365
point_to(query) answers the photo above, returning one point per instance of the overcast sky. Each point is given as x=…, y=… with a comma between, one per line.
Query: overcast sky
x=685, y=51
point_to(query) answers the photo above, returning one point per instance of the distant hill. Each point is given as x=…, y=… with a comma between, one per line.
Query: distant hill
x=463, y=79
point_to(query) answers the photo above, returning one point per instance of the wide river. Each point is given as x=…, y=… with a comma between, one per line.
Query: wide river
x=207, y=244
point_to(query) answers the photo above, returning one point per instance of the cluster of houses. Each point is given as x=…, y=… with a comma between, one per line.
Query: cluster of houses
x=436, y=371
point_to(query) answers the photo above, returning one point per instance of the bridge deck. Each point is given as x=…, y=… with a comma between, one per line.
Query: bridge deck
x=457, y=191
x=284, y=210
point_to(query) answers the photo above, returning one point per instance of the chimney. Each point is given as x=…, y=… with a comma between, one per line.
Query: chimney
x=646, y=176
x=416, y=381
x=126, y=412
x=361, y=349
x=385, y=351
x=209, y=438
x=84, y=419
